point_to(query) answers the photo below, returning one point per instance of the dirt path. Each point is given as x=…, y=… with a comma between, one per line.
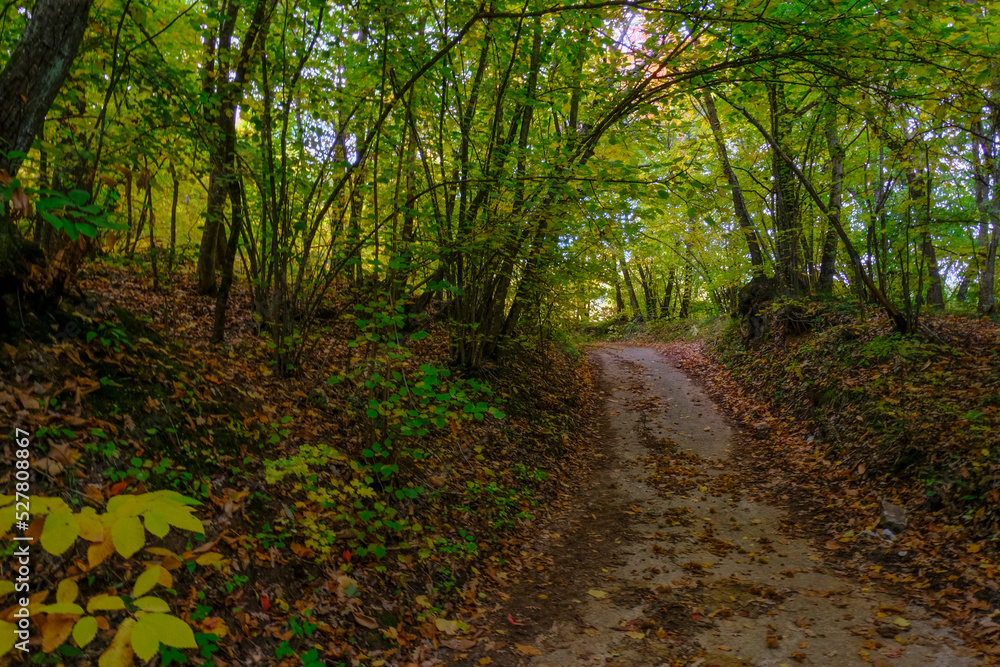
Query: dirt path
x=665, y=564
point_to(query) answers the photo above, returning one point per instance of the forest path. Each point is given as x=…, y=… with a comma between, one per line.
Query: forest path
x=664, y=563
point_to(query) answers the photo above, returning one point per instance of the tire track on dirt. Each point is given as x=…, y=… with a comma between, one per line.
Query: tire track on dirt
x=665, y=563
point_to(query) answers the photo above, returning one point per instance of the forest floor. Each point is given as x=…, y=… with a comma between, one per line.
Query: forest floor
x=681, y=553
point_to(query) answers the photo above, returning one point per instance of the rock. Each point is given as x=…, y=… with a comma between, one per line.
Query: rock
x=893, y=516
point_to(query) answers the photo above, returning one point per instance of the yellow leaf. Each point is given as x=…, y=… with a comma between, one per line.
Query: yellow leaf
x=177, y=515
x=165, y=579
x=129, y=536
x=56, y=631
x=146, y=581
x=636, y=635
x=168, y=629
x=209, y=558
x=145, y=640
x=156, y=524
x=126, y=505
x=444, y=625
x=98, y=552
x=119, y=654
x=6, y=587
x=67, y=591
x=902, y=622
x=85, y=630
x=63, y=608
x=7, y=636
x=160, y=551
x=91, y=528
x=600, y=595
x=60, y=531
x=104, y=602
x=527, y=650
x=974, y=548
x=150, y=603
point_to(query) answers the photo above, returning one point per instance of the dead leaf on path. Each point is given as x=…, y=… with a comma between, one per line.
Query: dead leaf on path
x=636, y=635
x=510, y=619
x=832, y=545
x=448, y=627
x=600, y=595
x=901, y=622
x=526, y=649
x=974, y=548
x=460, y=644
x=723, y=648
x=773, y=641
x=364, y=620
x=591, y=632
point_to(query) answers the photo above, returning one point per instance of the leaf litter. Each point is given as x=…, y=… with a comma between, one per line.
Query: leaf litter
x=694, y=559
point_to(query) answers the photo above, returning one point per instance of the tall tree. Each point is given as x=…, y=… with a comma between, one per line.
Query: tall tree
x=32, y=77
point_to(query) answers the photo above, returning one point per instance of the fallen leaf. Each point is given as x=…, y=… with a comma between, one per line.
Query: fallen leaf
x=364, y=620
x=448, y=627
x=510, y=619
x=901, y=622
x=525, y=649
x=636, y=635
x=600, y=595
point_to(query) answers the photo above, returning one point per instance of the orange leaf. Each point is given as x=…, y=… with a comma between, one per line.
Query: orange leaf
x=57, y=630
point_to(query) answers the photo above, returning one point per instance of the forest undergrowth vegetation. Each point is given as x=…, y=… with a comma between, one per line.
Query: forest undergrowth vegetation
x=374, y=497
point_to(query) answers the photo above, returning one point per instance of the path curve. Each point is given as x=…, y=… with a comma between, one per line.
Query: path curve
x=665, y=563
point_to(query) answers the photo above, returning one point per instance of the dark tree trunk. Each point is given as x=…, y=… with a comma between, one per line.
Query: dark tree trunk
x=739, y=203
x=632, y=300
x=31, y=79
x=919, y=213
x=173, y=216
x=828, y=264
x=786, y=202
x=667, y=293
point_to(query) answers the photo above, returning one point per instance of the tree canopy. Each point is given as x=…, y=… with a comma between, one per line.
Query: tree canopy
x=520, y=164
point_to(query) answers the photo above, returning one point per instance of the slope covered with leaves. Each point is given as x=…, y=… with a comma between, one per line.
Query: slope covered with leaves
x=364, y=506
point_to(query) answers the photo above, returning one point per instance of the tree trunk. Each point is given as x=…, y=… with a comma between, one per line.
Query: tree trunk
x=667, y=293
x=828, y=264
x=173, y=216
x=632, y=300
x=898, y=319
x=739, y=202
x=988, y=169
x=686, y=292
x=919, y=194
x=786, y=204
x=31, y=79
